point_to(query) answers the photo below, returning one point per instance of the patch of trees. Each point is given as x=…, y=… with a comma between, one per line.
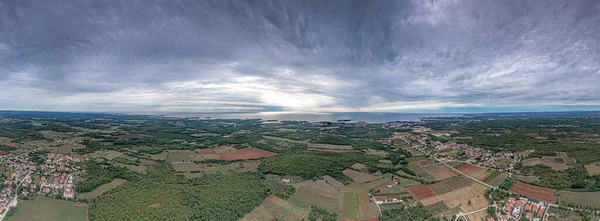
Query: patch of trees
x=285, y=192
x=506, y=184
x=6, y=148
x=97, y=174
x=225, y=197
x=417, y=213
x=310, y=166
x=162, y=195
x=575, y=178
x=317, y=213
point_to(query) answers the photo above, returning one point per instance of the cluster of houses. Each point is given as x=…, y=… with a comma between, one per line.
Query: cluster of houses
x=487, y=158
x=530, y=210
x=51, y=178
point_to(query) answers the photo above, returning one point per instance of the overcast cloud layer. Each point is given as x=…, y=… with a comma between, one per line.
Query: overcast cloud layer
x=324, y=56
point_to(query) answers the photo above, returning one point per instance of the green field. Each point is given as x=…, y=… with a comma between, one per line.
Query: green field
x=284, y=139
x=43, y=208
x=580, y=198
x=102, y=189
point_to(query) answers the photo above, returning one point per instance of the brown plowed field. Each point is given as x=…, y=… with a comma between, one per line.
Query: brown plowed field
x=458, y=182
x=208, y=154
x=247, y=153
x=540, y=193
x=421, y=191
x=424, y=162
x=467, y=168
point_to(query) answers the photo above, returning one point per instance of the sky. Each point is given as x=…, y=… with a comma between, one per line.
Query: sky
x=300, y=55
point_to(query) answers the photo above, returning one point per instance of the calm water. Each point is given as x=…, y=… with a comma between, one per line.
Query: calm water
x=367, y=117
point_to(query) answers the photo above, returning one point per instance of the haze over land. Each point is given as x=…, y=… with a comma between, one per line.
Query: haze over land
x=306, y=56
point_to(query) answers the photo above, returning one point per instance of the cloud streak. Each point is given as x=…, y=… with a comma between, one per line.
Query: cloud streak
x=299, y=55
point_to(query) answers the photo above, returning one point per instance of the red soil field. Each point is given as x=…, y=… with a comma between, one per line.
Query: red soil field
x=454, y=172
x=247, y=153
x=424, y=162
x=467, y=168
x=540, y=193
x=205, y=151
x=421, y=191
x=330, y=151
x=8, y=142
x=383, y=185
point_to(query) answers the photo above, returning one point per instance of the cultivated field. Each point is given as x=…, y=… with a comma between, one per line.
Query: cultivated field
x=7, y=142
x=246, y=153
x=161, y=156
x=48, y=209
x=378, y=184
x=208, y=168
x=536, y=192
x=139, y=169
x=330, y=150
x=318, y=193
x=284, y=139
x=359, y=176
x=584, y=198
x=208, y=154
x=356, y=205
x=259, y=213
x=440, y=172
x=223, y=149
x=359, y=166
x=182, y=156
x=333, y=182
x=329, y=146
x=593, y=169
x=284, y=210
x=548, y=161
x=570, y=161
x=476, y=172
x=111, y=154
x=101, y=189
x=440, y=188
x=421, y=191
x=458, y=182
x=495, y=178
x=460, y=198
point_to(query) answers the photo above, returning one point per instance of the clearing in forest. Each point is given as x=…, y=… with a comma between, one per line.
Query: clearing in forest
x=101, y=189
x=593, y=169
x=329, y=146
x=553, y=162
x=246, y=153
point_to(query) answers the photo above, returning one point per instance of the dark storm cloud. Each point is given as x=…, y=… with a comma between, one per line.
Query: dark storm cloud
x=299, y=55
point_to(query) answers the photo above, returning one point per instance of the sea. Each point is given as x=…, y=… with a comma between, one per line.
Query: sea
x=369, y=117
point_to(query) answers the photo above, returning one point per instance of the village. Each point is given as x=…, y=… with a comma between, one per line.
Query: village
x=23, y=176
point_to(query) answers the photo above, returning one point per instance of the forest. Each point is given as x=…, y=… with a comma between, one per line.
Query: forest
x=162, y=195
x=309, y=166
